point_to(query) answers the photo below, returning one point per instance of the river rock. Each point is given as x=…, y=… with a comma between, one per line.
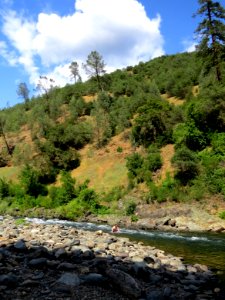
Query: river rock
x=39, y=261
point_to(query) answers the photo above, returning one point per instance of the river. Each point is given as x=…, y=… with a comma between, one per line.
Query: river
x=203, y=248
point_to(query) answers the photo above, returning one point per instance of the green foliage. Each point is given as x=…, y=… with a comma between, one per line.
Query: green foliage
x=167, y=190
x=153, y=161
x=218, y=143
x=194, y=138
x=186, y=164
x=22, y=154
x=65, y=193
x=20, y=221
x=95, y=67
x=4, y=189
x=115, y=194
x=77, y=108
x=119, y=149
x=61, y=123
x=211, y=30
x=222, y=215
x=134, y=218
x=140, y=168
x=152, y=124
x=134, y=165
x=30, y=180
x=130, y=208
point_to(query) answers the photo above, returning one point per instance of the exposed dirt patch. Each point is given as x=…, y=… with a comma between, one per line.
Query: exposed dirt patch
x=89, y=98
x=173, y=100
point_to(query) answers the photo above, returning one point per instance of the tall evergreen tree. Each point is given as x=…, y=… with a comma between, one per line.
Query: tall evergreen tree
x=211, y=31
x=95, y=67
x=23, y=91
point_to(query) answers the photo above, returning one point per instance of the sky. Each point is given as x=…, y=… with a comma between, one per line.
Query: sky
x=42, y=37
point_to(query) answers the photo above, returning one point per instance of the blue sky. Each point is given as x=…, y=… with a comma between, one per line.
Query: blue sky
x=43, y=37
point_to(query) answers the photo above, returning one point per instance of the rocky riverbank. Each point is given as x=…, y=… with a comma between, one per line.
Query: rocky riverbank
x=167, y=217
x=57, y=262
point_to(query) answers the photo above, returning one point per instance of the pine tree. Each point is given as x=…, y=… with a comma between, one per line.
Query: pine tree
x=74, y=69
x=211, y=31
x=95, y=67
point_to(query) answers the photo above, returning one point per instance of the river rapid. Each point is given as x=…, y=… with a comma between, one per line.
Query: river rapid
x=203, y=248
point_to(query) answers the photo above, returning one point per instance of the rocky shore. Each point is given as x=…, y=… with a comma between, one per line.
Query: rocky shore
x=179, y=218
x=57, y=262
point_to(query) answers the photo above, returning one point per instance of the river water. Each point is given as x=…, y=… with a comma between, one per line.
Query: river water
x=203, y=248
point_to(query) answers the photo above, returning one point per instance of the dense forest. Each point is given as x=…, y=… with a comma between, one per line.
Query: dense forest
x=133, y=102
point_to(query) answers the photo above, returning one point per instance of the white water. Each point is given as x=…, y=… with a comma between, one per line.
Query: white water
x=130, y=232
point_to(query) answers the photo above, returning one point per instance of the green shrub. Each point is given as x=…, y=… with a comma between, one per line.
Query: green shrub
x=4, y=188
x=186, y=164
x=130, y=209
x=135, y=167
x=30, y=180
x=168, y=190
x=119, y=149
x=43, y=201
x=218, y=143
x=153, y=160
x=222, y=215
x=115, y=194
x=20, y=221
x=134, y=218
x=4, y=205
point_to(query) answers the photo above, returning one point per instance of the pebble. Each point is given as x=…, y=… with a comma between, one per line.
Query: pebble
x=58, y=262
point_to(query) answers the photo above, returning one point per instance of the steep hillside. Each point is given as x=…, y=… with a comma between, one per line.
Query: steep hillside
x=106, y=167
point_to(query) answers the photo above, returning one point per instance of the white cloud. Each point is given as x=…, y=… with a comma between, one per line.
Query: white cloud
x=119, y=30
x=189, y=45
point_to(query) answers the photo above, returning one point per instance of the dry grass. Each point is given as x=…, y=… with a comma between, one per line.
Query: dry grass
x=173, y=100
x=89, y=98
x=105, y=167
x=9, y=173
x=167, y=153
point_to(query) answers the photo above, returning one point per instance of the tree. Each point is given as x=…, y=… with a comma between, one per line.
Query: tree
x=30, y=180
x=74, y=69
x=94, y=67
x=45, y=85
x=2, y=133
x=186, y=163
x=212, y=34
x=23, y=91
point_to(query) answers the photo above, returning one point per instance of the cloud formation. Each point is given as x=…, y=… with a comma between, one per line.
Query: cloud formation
x=119, y=30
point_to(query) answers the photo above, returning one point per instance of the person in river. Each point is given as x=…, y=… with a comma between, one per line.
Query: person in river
x=115, y=228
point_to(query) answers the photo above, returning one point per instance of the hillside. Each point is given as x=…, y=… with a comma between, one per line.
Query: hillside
x=153, y=134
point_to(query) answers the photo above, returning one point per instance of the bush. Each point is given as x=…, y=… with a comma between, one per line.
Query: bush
x=119, y=149
x=30, y=180
x=153, y=160
x=168, y=190
x=218, y=143
x=186, y=163
x=115, y=194
x=130, y=209
x=222, y=215
x=4, y=189
x=134, y=218
x=134, y=165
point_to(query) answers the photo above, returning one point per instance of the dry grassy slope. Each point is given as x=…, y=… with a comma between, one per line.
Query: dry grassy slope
x=106, y=167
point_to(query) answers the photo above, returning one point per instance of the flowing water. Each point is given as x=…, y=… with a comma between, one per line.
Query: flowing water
x=203, y=248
